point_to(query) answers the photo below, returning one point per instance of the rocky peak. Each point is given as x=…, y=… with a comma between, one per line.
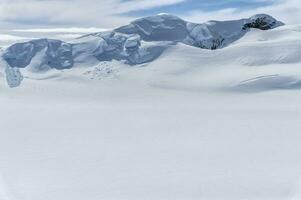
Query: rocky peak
x=262, y=22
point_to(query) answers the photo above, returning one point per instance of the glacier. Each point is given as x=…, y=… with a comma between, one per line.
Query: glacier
x=142, y=41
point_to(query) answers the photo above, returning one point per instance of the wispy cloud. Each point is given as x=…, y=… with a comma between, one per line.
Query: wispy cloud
x=60, y=30
x=7, y=37
x=104, y=13
x=288, y=11
x=112, y=13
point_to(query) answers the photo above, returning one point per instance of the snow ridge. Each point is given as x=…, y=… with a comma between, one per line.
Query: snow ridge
x=142, y=41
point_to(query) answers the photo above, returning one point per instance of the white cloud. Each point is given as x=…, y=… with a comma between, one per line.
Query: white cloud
x=103, y=13
x=288, y=11
x=61, y=30
x=7, y=37
x=108, y=13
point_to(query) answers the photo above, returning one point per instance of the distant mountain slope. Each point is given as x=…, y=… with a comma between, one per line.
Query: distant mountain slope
x=144, y=40
x=138, y=42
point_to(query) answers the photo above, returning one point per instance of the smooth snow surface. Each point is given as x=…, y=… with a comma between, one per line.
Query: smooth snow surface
x=193, y=124
x=70, y=139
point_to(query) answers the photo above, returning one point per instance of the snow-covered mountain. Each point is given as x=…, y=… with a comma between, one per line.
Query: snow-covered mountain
x=142, y=41
x=126, y=116
x=188, y=53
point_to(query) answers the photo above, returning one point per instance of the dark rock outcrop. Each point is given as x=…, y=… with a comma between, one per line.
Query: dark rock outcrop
x=262, y=22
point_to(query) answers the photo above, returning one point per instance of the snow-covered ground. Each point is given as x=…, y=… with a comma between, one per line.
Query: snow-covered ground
x=193, y=124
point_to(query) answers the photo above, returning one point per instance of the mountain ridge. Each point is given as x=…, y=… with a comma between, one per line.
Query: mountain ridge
x=141, y=41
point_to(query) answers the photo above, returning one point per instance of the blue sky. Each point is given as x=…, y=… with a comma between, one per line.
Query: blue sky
x=112, y=13
x=204, y=5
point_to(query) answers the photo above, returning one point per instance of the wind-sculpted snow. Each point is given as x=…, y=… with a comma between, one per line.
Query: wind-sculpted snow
x=133, y=43
x=142, y=41
x=269, y=82
x=210, y=35
x=157, y=28
x=58, y=54
x=116, y=46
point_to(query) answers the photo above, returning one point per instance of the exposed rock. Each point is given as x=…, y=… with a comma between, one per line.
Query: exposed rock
x=262, y=21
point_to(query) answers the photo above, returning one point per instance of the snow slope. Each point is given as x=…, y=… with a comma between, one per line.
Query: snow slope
x=142, y=41
x=191, y=124
x=261, y=56
x=260, y=61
